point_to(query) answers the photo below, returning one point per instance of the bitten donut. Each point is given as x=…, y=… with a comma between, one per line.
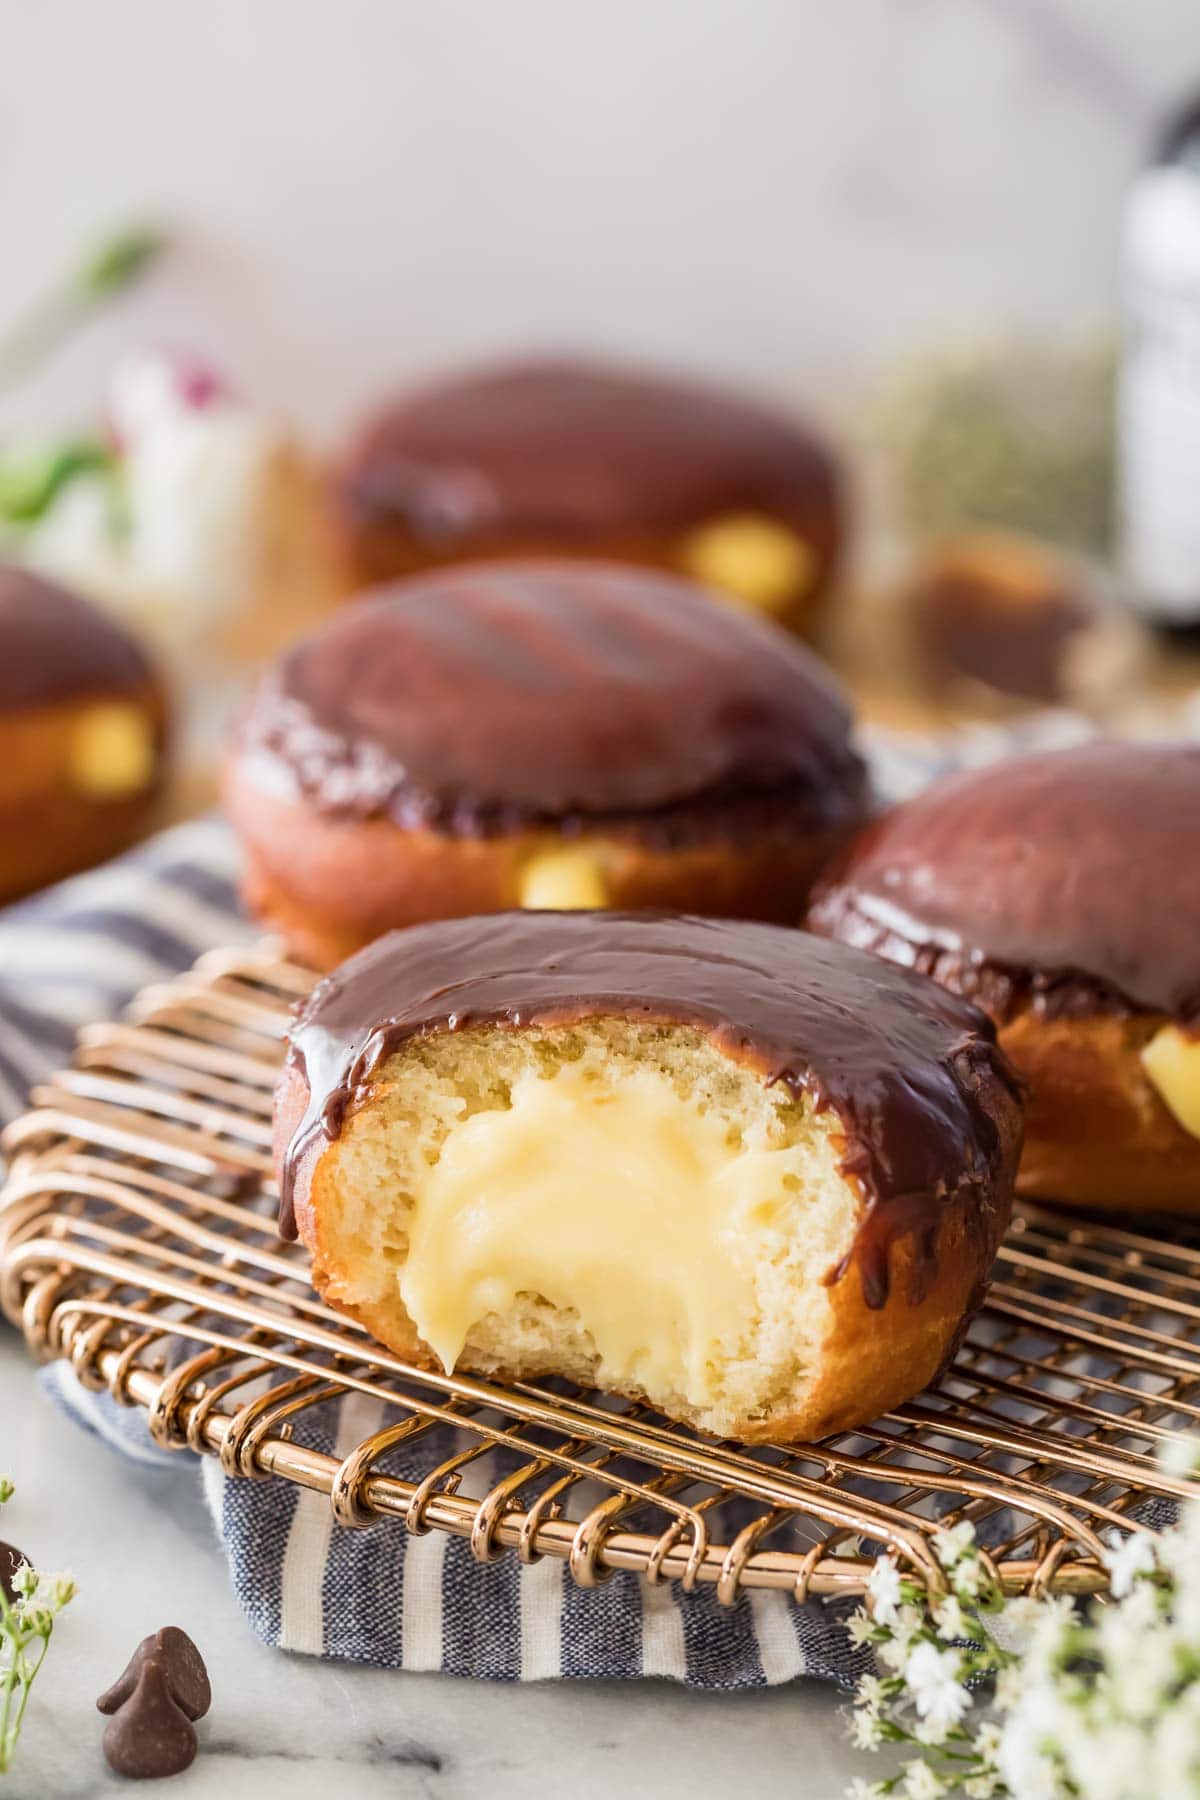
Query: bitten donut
x=82, y=726
x=1061, y=892
x=543, y=735
x=756, y=1178
x=553, y=458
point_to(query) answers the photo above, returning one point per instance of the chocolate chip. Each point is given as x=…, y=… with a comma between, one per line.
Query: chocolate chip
x=11, y=1559
x=163, y=1689
x=186, y=1674
x=149, y=1735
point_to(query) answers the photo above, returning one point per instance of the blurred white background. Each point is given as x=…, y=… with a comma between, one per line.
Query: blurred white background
x=782, y=188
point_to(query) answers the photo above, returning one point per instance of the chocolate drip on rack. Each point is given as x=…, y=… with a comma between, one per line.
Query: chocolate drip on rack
x=910, y=1071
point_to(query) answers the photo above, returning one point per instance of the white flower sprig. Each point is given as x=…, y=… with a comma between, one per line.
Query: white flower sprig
x=26, y=1625
x=929, y=1649
x=1102, y=1701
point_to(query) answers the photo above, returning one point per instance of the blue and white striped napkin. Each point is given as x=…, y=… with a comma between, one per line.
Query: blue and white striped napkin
x=77, y=954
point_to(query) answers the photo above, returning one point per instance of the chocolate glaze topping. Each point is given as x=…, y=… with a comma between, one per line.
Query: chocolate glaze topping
x=910, y=1070
x=575, y=450
x=54, y=646
x=492, y=696
x=1068, y=880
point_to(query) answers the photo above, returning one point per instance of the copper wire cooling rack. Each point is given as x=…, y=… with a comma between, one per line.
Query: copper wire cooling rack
x=137, y=1240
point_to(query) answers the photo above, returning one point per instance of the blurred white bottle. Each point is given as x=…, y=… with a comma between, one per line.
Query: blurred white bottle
x=1158, y=387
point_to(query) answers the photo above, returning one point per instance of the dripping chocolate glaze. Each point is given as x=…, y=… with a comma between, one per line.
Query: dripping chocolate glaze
x=1067, y=879
x=495, y=695
x=910, y=1070
x=576, y=450
x=55, y=646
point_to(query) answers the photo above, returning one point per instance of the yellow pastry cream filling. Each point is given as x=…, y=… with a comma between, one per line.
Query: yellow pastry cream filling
x=563, y=881
x=625, y=1203
x=753, y=558
x=111, y=751
x=1172, y=1061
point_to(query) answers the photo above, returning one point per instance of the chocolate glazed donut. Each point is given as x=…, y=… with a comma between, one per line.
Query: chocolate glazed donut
x=545, y=734
x=1059, y=892
x=82, y=732
x=553, y=458
x=893, y=1116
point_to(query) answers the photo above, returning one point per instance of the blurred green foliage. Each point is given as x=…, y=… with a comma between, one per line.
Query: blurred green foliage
x=1007, y=434
x=106, y=270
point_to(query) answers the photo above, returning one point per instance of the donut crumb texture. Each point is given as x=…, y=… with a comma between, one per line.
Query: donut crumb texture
x=490, y=1179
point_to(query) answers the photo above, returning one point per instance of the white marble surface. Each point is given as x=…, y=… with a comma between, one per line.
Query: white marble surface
x=145, y=1555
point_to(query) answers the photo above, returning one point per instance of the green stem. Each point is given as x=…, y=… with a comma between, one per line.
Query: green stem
x=106, y=271
x=27, y=1682
x=10, y=1679
x=47, y=323
x=8, y=1635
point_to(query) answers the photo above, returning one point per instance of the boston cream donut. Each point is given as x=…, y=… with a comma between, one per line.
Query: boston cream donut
x=551, y=458
x=543, y=735
x=757, y=1178
x=1061, y=891
x=81, y=734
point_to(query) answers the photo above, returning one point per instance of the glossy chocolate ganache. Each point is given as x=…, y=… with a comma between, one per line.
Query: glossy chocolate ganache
x=495, y=696
x=580, y=450
x=1068, y=880
x=56, y=647
x=911, y=1071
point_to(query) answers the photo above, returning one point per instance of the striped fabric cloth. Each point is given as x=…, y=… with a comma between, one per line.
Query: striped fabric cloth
x=77, y=954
